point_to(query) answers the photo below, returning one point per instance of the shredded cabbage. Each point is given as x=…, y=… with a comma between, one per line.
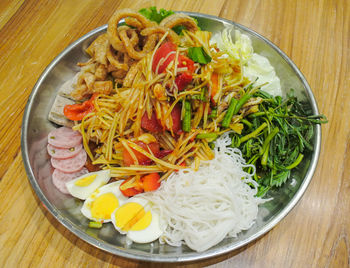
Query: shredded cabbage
x=256, y=68
x=239, y=49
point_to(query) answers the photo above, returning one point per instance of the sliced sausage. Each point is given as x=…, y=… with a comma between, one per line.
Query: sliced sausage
x=63, y=153
x=64, y=137
x=60, y=178
x=70, y=165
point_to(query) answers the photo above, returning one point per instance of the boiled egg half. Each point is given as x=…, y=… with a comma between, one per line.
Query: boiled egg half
x=85, y=185
x=138, y=220
x=101, y=203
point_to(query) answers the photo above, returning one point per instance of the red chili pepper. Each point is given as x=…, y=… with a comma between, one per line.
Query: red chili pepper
x=77, y=112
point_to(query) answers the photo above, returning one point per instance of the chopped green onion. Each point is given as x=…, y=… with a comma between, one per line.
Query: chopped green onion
x=214, y=113
x=95, y=224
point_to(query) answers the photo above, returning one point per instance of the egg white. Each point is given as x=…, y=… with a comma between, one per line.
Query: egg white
x=108, y=188
x=153, y=231
x=83, y=192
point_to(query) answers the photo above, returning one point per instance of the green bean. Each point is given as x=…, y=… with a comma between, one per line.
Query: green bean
x=186, y=122
x=229, y=113
x=241, y=102
x=209, y=136
x=233, y=109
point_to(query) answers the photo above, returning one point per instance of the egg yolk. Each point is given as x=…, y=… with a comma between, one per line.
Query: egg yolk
x=132, y=217
x=143, y=222
x=103, y=206
x=86, y=181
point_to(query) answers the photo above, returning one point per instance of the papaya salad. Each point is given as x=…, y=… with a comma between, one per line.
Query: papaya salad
x=169, y=130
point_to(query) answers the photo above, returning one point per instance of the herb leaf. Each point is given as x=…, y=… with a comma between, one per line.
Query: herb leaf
x=198, y=54
x=152, y=14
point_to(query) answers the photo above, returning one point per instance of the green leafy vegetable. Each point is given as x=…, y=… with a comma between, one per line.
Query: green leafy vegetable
x=276, y=138
x=198, y=54
x=154, y=15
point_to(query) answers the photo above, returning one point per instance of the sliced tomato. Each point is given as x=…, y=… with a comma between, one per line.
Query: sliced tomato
x=162, y=52
x=183, y=80
x=176, y=117
x=150, y=182
x=128, y=160
x=186, y=62
x=151, y=124
x=131, y=191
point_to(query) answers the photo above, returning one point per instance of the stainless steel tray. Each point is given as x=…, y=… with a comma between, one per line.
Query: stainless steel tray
x=66, y=209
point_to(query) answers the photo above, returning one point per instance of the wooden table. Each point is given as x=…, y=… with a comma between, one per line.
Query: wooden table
x=314, y=34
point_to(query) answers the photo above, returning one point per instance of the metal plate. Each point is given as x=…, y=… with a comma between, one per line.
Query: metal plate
x=66, y=210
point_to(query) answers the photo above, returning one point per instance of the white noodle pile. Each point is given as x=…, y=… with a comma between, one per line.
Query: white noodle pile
x=203, y=207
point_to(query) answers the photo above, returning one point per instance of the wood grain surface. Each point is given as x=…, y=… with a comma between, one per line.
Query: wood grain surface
x=315, y=34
